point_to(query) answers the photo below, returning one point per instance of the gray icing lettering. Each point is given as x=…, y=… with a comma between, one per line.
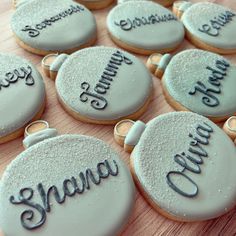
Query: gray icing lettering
x=209, y=97
x=24, y=73
x=34, y=31
x=192, y=162
x=216, y=24
x=129, y=24
x=70, y=188
x=98, y=101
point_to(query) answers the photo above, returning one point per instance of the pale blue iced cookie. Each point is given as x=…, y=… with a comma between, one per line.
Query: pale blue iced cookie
x=184, y=165
x=43, y=26
x=101, y=84
x=65, y=184
x=198, y=81
x=22, y=95
x=144, y=27
x=209, y=26
x=162, y=2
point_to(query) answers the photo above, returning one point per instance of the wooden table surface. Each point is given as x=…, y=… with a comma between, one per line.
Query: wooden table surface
x=144, y=220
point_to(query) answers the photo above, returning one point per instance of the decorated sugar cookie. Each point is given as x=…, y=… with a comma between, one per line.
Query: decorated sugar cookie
x=22, y=95
x=90, y=4
x=209, y=26
x=129, y=22
x=46, y=26
x=183, y=164
x=198, y=81
x=65, y=184
x=162, y=2
x=100, y=84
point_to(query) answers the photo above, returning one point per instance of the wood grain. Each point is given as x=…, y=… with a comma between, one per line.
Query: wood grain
x=144, y=221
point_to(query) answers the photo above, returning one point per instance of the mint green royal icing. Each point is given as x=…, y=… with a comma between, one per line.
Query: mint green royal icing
x=39, y=136
x=186, y=69
x=126, y=91
x=158, y=35
x=153, y=157
x=70, y=31
x=57, y=63
x=163, y=63
x=19, y=102
x=203, y=13
x=101, y=210
x=184, y=6
x=163, y=2
x=135, y=133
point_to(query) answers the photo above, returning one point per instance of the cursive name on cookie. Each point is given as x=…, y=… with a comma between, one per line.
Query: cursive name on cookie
x=96, y=97
x=190, y=161
x=212, y=88
x=213, y=28
x=129, y=24
x=70, y=187
x=24, y=73
x=34, y=31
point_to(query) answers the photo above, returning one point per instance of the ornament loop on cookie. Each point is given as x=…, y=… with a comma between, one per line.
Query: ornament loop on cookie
x=180, y=7
x=38, y=131
x=127, y=133
x=134, y=134
x=121, y=130
x=46, y=63
x=36, y=126
x=52, y=63
x=157, y=63
x=230, y=127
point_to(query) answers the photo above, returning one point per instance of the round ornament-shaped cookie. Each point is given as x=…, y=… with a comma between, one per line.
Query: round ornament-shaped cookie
x=22, y=95
x=209, y=26
x=100, y=84
x=46, y=26
x=184, y=165
x=198, y=81
x=165, y=3
x=67, y=183
x=144, y=27
x=90, y=4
